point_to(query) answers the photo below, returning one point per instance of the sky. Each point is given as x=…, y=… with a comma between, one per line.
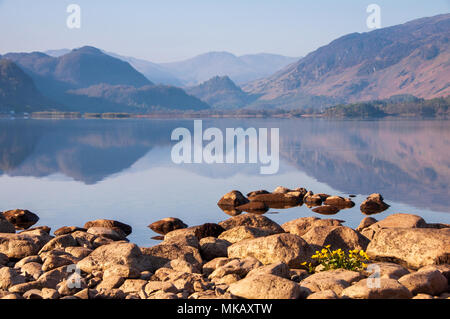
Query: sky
x=173, y=30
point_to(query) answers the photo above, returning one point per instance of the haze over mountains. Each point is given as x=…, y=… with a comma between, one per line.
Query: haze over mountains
x=412, y=58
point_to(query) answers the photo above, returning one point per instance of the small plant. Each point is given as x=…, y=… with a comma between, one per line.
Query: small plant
x=338, y=259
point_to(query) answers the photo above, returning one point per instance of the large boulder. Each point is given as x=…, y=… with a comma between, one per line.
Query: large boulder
x=239, y=233
x=337, y=236
x=288, y=248
x=113, y=224
x=18, y=246
x=6, y=226
x=430, y=282
x=412, y=247
x=21, y=218
x=251, y=220
x=116, y=253
x=163, y=253
x=166, y=225
x=233, y=199
x=266, y=287
x=368, y=289
x=301, y=226
x=373, y=204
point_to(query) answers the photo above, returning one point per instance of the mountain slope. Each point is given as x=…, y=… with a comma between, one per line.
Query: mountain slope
x=412, y=58
x=239, y=69
x=17, y=90
x=80, y=68
x=143, y=99
x=221, y=92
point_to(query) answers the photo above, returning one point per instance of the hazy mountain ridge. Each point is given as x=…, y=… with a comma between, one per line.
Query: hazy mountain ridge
x=240, y=69
x=412, y=58
x=221, y=92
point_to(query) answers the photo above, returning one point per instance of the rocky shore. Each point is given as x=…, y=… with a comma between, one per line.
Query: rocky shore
x=245, y=256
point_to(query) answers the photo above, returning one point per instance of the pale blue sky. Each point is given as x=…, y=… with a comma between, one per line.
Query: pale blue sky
x=170, y=30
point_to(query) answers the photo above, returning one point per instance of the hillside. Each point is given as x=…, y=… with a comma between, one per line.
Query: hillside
x=17, y=90
x=240, y=69
x=143, y=99
x=412, y=58
x=221, y=93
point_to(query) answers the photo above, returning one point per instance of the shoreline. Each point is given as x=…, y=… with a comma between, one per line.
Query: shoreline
x=247, y=256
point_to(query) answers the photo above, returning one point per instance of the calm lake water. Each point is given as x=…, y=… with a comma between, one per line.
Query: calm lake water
x=72, y=171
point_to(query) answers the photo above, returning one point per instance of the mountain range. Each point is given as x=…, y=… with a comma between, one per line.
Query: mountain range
x=411, y=58
x=407, y=59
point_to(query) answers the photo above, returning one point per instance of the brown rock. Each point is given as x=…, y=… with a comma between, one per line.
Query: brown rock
x=259, y=192
x=278, y=269
x=208, y=230
x=18, y=246
x=239, y=233
x=233, y=198
x=374, y=204
x=211, y=247
x=427, y=282
x=113, y=234
x=287, y=248
x=366, y=222
x=325, y=294
x=312, y=200
x=212, y=265
x=335, y=280
x=301, y=226
x=21, y=219
x=240, y=267
x=339, y=202
x=67, y=230
x=6, y=226
x=278, y=200
x=10, y=277
x=412, y=247
x=266, y=287
x=337, y=236
x=116, y=253
x=166, y=225
x=254, y=207
x=326, y=210
x=59, y=242
x=164, y=253
x=251, y=220
x=133, y=285
x=109, y=224
x=387, y=270
x=388, y=289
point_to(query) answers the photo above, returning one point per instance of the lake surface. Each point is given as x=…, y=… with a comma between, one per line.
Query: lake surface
x=72, y=171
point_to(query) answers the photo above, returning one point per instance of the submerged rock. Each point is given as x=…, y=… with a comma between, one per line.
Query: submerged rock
x=166, y=225
x=374, y=204
x=233, y=199
x=326, y=210
x=254, y=207
x=339, y=202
